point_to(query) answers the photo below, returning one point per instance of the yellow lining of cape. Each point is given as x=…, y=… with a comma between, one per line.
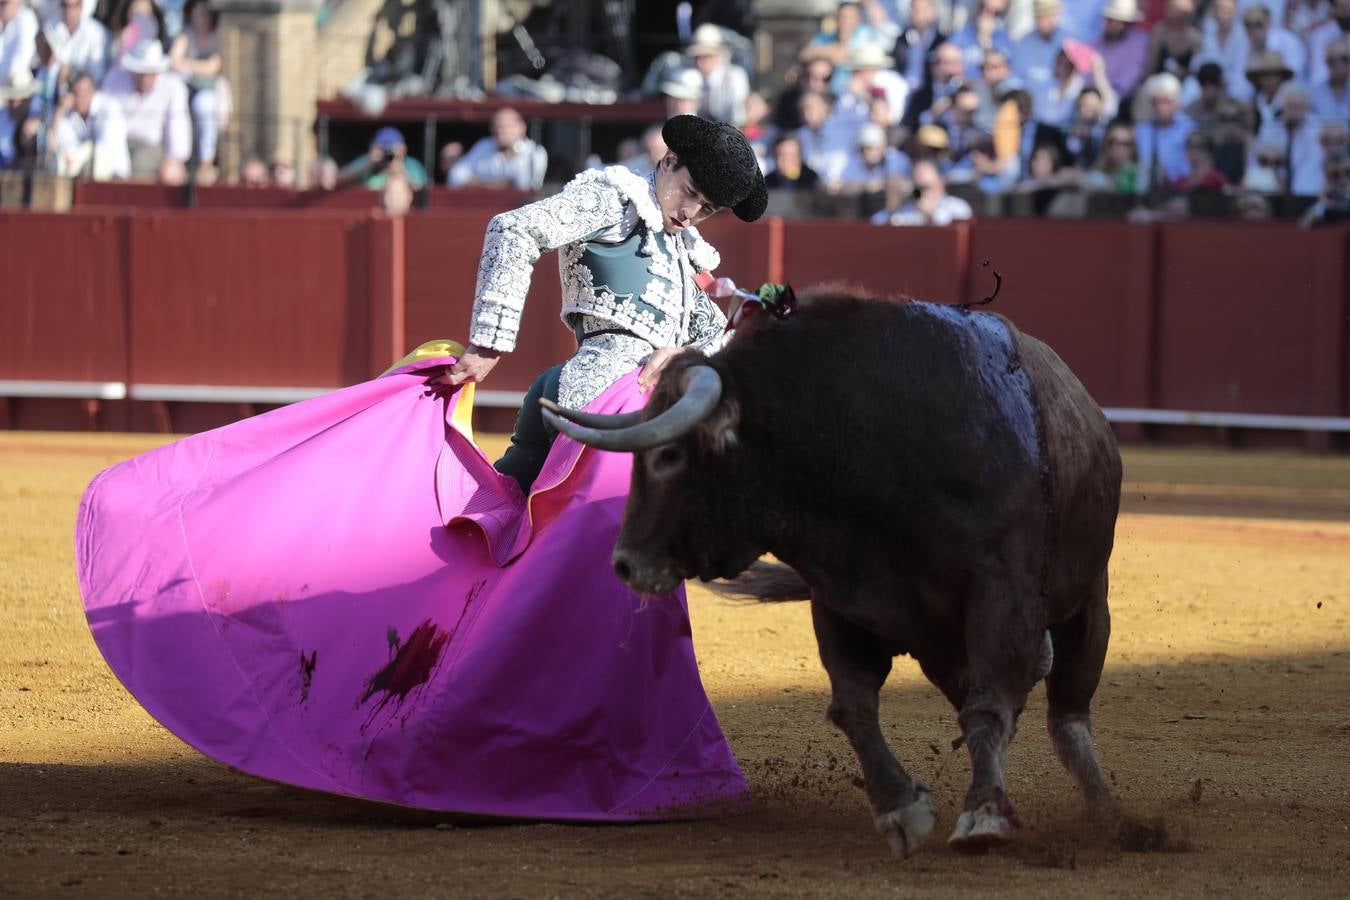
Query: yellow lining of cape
x=462, y=418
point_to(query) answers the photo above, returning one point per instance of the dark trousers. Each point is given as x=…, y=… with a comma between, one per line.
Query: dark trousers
x=532, y=437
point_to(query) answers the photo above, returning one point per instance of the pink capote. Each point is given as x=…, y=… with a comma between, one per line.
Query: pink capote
x=285, y=595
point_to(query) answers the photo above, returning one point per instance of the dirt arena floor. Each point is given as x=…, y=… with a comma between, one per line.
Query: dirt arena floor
x=1225, y=710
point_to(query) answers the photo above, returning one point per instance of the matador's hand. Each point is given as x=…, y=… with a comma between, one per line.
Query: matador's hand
x=651, y=372
x=474, y=365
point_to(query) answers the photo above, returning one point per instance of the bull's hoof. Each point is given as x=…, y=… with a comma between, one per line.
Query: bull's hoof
x=988, y=825
x=905, y=828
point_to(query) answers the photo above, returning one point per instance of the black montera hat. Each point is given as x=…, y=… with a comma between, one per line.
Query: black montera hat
x=721, y=164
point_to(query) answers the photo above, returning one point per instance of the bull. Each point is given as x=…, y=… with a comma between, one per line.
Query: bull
x=940, y=483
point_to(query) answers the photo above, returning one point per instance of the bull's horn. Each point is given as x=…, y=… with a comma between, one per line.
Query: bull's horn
x=702, y=390
x=602, y=421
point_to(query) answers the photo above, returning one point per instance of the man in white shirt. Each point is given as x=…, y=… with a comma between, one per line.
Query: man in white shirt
x=154, y=103
x=16, y=94
x=1297, y=135
x=726, y=86
x=1331, y=96
x=87, y=135
x=78, y=41
x=507, y=159
x=932, y=205
x=18, y=37
x=1161, y=140
x=1263, y=36
x=1334, y=30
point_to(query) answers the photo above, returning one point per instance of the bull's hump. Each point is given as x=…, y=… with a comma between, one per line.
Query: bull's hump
x=989, y=352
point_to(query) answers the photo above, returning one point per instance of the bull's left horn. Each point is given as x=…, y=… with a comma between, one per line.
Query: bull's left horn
x=602, y=421
x=702, y=390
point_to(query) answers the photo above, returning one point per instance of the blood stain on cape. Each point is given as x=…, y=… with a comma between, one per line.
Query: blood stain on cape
x=410, y=667
x=307, y=672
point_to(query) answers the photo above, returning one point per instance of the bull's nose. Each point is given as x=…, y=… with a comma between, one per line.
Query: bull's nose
x=622, y=567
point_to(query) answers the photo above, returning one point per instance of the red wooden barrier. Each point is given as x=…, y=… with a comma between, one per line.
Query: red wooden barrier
x=1085, y=288
x=926, y=263
x=63, y=297
x=121, y=194
x=250, y=299
x=1251, y=318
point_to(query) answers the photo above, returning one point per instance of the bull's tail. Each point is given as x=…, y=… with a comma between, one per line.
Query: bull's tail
x=766, y=582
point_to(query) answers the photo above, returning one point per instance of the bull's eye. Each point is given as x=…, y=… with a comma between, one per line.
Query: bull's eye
x=666, y=460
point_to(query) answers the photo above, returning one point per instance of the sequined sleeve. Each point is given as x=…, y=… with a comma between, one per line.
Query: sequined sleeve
x=516, y=239
x=707, y=325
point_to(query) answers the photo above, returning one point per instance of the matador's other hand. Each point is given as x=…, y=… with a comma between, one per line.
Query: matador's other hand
x=474, y=365
x=647, y=378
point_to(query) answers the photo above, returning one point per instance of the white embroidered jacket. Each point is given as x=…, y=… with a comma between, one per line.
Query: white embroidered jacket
x=617, y=264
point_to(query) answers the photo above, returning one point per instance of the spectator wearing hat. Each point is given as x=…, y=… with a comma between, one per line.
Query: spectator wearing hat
x=726, y=86
x=1161, y=138
x=1331, y=97
x=983, y=31
x=917, y=41
x=1175, y=43
x=506, y=159
x=1267, y=73
x=154, y=103
x=1295, y=132
x=16, y=93
x=1123, y=45
x=872, y=77
x=825, y=143
x=18, y=38
x=1204, y=109
x=88, y=136
x=1224, y=41
x=1264, y=37
x=930, y=204
x=1033, y=57
x=1335, y=30
x=789, y=171
x=683, y=92
x=387, y=156
x=78, y=41
x=872, y=164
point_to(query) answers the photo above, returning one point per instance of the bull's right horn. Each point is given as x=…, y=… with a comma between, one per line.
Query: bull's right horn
x=702, y=390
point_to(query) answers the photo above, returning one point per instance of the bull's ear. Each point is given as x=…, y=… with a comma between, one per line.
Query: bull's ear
x=718, y=431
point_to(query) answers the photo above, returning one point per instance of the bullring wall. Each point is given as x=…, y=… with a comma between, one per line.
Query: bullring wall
x=1231, y=317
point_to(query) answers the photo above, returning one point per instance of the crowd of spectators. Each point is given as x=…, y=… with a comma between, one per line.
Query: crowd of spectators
x=919, y=110
x=133, y=91
x=902, y=111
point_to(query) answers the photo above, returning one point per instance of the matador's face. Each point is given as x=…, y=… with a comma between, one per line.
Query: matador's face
x=682, y=204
